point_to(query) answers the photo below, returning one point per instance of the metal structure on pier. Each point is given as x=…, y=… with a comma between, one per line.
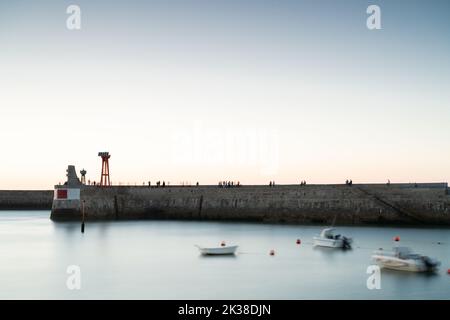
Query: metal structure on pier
x=104, y=178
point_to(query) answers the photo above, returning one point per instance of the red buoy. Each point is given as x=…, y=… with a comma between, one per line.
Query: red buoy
x=448, y=271
x=298, y=241
x=223, y=244
x=397, y=238
x=272, y=252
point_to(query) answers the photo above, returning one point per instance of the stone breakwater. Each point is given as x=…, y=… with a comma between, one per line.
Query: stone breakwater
x=26, y=200
x=425, y=204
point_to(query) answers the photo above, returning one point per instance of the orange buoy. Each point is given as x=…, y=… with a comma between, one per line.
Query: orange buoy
x=223, y=244
x=272, y=252
x=397, y=238
x=298, y=241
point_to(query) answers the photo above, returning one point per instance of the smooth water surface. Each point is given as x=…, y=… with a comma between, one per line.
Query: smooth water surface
x=158, y=260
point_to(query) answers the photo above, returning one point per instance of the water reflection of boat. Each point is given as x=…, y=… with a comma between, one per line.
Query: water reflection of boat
x=222, y=250
x=403, y=259
x=327, y=238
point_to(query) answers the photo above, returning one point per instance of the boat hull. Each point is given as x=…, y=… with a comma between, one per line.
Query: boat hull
x=393, y=263
x=329, y=243
x=218, y=250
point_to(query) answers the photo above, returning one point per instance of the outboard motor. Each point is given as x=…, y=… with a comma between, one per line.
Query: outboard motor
x=347, y=242
x=431, y=264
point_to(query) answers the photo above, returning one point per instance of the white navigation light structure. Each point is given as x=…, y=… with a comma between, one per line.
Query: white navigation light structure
x=83, y=176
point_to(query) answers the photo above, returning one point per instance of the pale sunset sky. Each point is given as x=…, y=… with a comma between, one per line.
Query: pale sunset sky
x=209, y=90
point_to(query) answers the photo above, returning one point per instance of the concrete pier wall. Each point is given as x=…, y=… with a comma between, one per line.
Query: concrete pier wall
x=357, y=204
x=26, y=200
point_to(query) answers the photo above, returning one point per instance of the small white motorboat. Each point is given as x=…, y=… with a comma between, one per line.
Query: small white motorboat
x=222, y=250
x=403, y=259
x=327, y=238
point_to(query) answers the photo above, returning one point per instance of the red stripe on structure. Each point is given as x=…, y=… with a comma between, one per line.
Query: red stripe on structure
x=61, y=194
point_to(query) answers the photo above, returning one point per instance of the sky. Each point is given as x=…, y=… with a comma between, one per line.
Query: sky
x=212, y=90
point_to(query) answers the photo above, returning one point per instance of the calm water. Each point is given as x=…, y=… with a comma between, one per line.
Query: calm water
x=158, y=260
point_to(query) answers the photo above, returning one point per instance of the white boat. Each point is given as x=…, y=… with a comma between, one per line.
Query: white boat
x=403, y=259
x=222, y=250
x=327, y=238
